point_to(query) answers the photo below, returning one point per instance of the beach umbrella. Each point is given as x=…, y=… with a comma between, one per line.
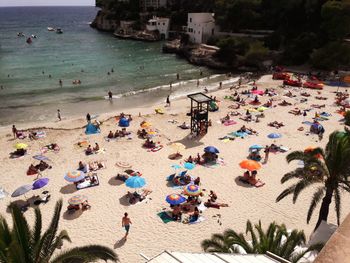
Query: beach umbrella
x=256, y=147
x=211, y=149
x=3, y=193
x=40, y=183
x=123, y=164
x=145, y=125
x=175, y=166
x=262, y=108
x=74, y=176
x=135, y=182
x=41, y=158
x=250, y=165
x=189, y=166
x=274, y=135
x=192, y=190
x=77, y=200
x=22, y=190
x=252, y=110
x=175, y=199
x=177, y=146
x=20, y=146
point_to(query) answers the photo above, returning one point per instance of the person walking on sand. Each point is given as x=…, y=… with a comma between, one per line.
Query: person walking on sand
x=60, y=82
x=59, y=115
x=267, y=152
x=88, y=117
x=177, y=76
x=126, y=222
x=110, y=95
x=14, y=131
x=168, y=101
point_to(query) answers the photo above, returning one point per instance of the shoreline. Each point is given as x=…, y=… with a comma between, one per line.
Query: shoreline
x=143, y=107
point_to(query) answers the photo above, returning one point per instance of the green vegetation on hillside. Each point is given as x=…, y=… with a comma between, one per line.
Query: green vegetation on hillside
x=304, y=31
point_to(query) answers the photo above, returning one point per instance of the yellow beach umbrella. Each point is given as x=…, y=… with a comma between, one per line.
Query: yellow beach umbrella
x=262, y=108
x=178, y=147
x=252, y=110
x=145, y=125
x=20, y=146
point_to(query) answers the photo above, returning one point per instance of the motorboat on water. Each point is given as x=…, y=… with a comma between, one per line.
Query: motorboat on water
x=50, y=29
x=34, y=36
x=59, y=31
x=20, y=34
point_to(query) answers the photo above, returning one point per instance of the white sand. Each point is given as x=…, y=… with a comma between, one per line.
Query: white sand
x=148, y=234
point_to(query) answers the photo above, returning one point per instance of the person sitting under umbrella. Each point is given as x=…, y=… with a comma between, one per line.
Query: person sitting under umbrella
x=176, y=213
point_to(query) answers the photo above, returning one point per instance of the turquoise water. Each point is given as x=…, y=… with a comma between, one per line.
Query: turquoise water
x=79, y=53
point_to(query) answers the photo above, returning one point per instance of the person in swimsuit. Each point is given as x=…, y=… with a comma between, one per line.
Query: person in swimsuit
x=126, y=222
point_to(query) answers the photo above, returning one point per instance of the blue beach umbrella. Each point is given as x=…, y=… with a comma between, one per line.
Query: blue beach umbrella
x=40, y=183
x=189, y=166
x=135, y=182
x=175, y=199
x=211, y=149
x=274, y=135
x=256, y=146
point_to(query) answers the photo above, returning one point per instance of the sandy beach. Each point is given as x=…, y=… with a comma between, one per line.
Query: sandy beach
x=148, y=234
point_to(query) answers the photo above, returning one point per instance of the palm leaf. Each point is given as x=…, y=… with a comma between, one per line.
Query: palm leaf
x=297, y=173
x=86, y=254
x=286, y=192
x=315, y=200
x=304, y=183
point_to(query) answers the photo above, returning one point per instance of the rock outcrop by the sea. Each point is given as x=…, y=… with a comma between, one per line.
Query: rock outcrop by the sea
x=202, y=55
x=104, y=21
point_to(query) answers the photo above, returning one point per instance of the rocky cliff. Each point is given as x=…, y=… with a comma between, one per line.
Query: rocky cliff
x=104, y=22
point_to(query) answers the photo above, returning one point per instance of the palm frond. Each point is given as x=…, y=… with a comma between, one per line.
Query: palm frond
x=300, y=186
x=297, y=173
x=86, y=254
x=239, y=239
x=315, y=200
x=36, y=233
x=286, y=192
x=249, y=228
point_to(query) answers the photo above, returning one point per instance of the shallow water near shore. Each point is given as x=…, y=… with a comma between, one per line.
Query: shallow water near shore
x=30, y=95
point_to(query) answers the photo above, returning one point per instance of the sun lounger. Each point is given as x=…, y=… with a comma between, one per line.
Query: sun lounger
x=87, y=183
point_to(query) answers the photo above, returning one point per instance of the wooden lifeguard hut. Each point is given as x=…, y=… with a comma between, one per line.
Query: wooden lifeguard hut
x=199, y=113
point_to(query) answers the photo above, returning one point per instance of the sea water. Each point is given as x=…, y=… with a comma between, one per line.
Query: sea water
x=30, y=73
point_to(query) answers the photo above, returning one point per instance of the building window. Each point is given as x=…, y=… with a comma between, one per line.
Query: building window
x=190, y=19
x=199, y=32
x=158, y=23
x=163, y=24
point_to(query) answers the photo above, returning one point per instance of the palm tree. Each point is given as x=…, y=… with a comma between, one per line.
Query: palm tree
x=329, y=169
x=276, y=240
x=21, y=244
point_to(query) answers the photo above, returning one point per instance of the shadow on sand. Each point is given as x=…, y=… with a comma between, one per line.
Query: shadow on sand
x=120, y=243
x=240, y=183
x=69, y=215
x=68, y=189
x=113, y=181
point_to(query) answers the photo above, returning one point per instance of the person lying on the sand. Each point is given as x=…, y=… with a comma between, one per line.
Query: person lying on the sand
x=295, y=111
x=284, y=103
x=276, y=124
x=242, y=129
x=305, y=94
x=317, y=106
x=234, y=113
x=268, y=104
x=42, y=166
x=209, y=204
x=320, y=98
x=96, y=165
x=125, y=132
x=226, y=118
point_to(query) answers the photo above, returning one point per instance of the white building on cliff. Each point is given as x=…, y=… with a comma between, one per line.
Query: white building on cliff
x=200, y=26
x=161, y=24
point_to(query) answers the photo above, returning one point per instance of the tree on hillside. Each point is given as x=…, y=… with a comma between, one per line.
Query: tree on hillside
x=275, y=239
x=329, y=169
x=22, y=244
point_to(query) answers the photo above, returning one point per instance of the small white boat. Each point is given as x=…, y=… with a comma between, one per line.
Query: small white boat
x=50, y=29
x=34, y=36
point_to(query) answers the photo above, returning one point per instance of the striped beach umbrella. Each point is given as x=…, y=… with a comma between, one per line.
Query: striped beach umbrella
x=77, y=199
x=74, y=176
x=175, y=199
x=192, y=190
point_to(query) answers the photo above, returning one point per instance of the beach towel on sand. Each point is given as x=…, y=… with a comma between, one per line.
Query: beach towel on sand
x=200, y=219
x=166, y=218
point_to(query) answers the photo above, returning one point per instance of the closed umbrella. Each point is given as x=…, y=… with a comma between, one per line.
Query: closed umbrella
x=192, y=190
x=74, y=176
x=135, y=182
x=274, y=135
x=211, y=149
x=77, y=200
x=175, y=199
x=250, y=165
x=22, y=190
x=40, y=183
x=20, y=146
